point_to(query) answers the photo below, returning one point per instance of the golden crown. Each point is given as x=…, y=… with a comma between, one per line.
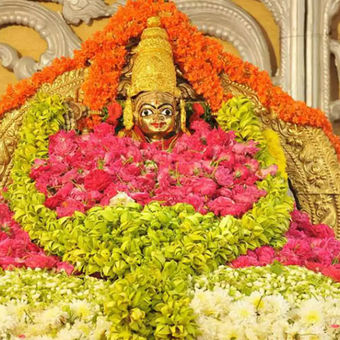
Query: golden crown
x=154, y=68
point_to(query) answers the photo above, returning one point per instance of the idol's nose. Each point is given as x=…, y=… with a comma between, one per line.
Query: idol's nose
x=159, y=117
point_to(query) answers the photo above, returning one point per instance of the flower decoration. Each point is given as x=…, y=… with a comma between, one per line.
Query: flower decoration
x=84, y=171
x=266, y=302
x=170, y=220
x=37, y=304
x=114, y=113
x=17, y=250
x=147, y=249
x=311, y=246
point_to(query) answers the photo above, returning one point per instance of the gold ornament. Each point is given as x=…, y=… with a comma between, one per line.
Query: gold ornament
x=153, y=87
x=128, y=114
x=183, y=117
x=154, y=68
x=156, y=115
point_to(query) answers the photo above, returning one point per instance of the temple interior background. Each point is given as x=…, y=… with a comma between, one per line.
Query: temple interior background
x=296, y=41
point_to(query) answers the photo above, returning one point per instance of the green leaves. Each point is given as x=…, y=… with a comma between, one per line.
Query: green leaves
x=147, y=252
x=238, y=115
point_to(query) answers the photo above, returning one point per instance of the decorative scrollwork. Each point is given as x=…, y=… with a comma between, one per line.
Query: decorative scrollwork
x=9, y=127
x=312, y=164
x=76, y=11
x=61, y=41
x=67, y=86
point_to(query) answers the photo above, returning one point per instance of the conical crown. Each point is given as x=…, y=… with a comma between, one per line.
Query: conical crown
x=154, y=68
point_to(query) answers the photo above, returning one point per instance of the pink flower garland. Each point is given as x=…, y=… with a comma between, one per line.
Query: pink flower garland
x=17, y=250
x=207, y=169
x=312, y=246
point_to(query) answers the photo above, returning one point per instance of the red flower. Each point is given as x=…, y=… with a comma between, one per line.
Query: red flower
x=41, y=261
x=319, y=253
x=16, y=249
x=115, y=112
x=198, y=111
x=54, y=201
x=68, y=207
x=97, y=180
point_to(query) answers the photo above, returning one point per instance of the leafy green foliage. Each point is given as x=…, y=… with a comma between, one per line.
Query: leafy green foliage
x=149, y=251
x=238, y=115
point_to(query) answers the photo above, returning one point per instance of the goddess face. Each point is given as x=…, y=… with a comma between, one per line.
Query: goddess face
x=156, y=114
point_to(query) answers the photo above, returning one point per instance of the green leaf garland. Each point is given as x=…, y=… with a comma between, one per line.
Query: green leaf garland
x=150, y=250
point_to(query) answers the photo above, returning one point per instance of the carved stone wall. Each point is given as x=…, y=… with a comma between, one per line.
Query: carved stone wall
x=319, y=48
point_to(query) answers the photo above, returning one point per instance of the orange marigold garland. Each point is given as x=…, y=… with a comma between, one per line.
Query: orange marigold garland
x=200, y=58
x=275, y=98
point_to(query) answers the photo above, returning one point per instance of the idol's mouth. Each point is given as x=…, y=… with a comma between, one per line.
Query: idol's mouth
x=158, y=125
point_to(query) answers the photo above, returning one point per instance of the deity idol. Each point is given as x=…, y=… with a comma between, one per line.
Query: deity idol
x=154, y=109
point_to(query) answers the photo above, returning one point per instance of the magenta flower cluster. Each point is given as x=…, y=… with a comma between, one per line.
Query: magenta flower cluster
x=17, y=250
x=208, y=169
x=312, y=246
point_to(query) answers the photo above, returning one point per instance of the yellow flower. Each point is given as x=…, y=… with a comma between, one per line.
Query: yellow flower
x=275, y=149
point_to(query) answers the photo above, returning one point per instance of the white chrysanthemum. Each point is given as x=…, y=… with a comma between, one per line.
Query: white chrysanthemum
x=298, y=331
x=102, y=329
x=279, y=329
x=204, y=303
x=208, y=327
x=257, y=300
x=276, y=306
x=211, y=303
x=228, y=331
x=7, y=320
x=69, y=334
x=121, y=199
x=311, y=312
x=332, y=312
x=51, y=317
x=82, y=328
x=33, y=330
x=252, y=332
x=243, y=311
x=18, y=309
x=82, y=309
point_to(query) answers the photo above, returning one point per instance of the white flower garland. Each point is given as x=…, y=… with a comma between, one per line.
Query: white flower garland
x=272, y=302
x=42, y=305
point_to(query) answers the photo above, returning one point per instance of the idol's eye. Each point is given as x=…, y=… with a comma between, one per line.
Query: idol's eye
x=167, y=112
x=146, y=112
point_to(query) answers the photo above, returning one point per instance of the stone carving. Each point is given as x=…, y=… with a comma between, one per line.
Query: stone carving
x=290, y=17
x=319, y=17
x=9, y=56
x=334, y=108
x=223, y=19
x=76, y=11
x=61, y=41
x=22, y=67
